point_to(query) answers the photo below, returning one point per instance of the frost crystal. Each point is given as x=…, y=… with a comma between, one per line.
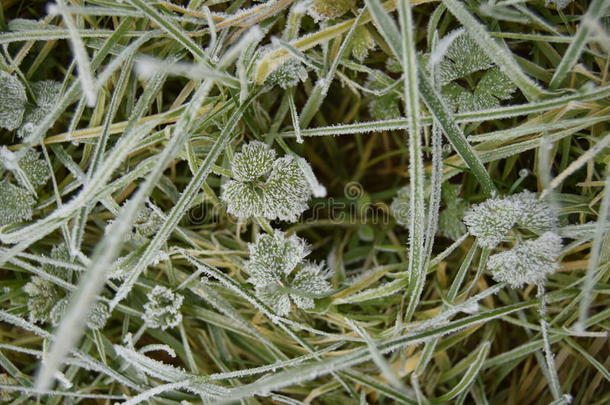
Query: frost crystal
x=163, y=308
x=328, y=9
x=280, y=276
x=288, y=74
x=15, y=203
x=283, y=194
x=492, y=219
x=527, y=263
x=12, y=101
x=42, y=297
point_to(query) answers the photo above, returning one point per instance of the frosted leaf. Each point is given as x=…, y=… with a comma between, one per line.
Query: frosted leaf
x=244, y=200
x=450, y=223
x=491, y=220
x=275, y=297
x=528, y=263
x=15, y=203
x=536, y=215
x=560, y=4
x=288, y=74
x=274, y=256
x=42, y=297
x=147, y=222
x=96, y=319
x=47, y=93
x=163, y=308
x=362, y=42
x=308, y=281
x=12, y=101
x=58, y=310
x=98, y=315
x=385, y=106
x=329, y=9
x=497, y=84
x=280, y=276
x=462, y=58
x=62, y=254
x=35, y=168
x=8, y=158
x=282, y=195
x=400, y=206
x=286, y=191
x=254, y=161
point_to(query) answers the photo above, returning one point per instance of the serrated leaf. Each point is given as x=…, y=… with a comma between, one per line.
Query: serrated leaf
x=15, y=203
x=12, y=101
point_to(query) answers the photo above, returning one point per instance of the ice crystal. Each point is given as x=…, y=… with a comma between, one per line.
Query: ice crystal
x=492, y=219
x=329, y=9
x=288, y=74
x=43, y=296
x=362, y=42
x=15, y=203
x=163, y=308
x=279, y=274
x=263, y=187
x=528, y=263
x=12, y=101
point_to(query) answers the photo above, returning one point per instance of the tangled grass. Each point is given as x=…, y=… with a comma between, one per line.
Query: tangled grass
x=294, y=202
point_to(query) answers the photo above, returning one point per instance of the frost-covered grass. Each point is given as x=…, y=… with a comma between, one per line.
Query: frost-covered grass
x=293, y=201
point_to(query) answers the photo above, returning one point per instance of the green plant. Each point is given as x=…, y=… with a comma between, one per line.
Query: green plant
x=304, y=201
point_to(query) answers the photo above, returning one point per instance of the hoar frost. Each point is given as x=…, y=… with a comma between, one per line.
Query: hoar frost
x=527, y=263
x=12, y=101
x=280, y=275
x=491, y=220
x=163, y=308
x=264, y=186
